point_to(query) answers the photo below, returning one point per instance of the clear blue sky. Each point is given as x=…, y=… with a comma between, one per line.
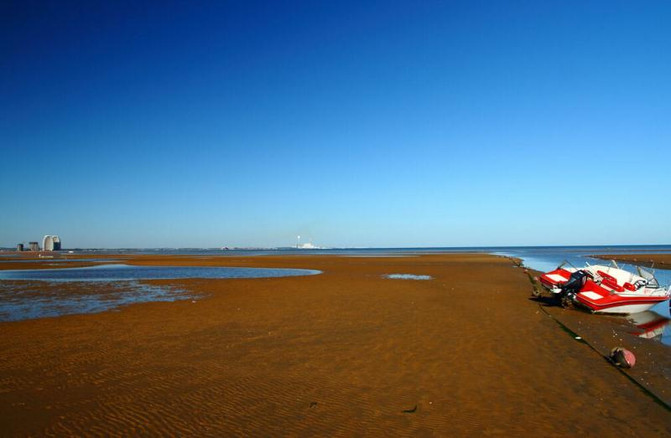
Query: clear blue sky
x=401, y=123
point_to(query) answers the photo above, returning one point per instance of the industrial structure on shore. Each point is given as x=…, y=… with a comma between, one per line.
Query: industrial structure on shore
x=50, y=242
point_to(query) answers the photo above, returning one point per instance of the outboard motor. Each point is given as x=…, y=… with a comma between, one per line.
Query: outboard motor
x=575, y=282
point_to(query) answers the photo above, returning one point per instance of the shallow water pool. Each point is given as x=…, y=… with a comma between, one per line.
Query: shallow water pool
x=41, y=293
x=408, y=277
x=121, y=272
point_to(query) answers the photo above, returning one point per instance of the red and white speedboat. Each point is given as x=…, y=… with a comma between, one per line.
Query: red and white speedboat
x=606, y=289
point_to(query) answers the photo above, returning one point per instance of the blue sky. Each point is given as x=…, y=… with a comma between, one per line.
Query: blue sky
x=243, y=123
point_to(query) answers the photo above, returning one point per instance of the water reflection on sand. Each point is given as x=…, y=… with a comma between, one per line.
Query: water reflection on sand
x=652, y=325
x=21, y=300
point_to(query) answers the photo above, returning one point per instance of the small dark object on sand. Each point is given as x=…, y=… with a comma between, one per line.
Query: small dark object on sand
x=410, y=411
x=313, y=405
x=622, y=357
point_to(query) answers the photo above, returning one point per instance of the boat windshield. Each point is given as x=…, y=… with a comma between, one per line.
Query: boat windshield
x=649, y=277
x=566, y=263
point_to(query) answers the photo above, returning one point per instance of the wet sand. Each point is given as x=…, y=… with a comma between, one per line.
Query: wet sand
x=343, y=353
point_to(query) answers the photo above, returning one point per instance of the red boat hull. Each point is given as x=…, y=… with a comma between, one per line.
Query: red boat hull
x=602, y=300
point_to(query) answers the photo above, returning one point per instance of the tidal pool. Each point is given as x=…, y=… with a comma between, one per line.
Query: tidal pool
x=41, y=293
x=408, y=277
x=119, y=272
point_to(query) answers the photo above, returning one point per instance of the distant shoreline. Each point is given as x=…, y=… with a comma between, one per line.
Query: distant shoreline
x=662, y=261
x=623, y=249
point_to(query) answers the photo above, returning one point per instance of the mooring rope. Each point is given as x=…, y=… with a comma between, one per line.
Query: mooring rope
x=576, y=336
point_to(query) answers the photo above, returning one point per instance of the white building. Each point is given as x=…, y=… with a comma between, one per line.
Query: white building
x=51, y=243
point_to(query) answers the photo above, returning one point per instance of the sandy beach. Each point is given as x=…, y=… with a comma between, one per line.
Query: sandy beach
x=347, y=352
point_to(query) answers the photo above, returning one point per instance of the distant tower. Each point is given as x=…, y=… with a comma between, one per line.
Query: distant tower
x=51, y=243
x=34, y=246
x=19, y=247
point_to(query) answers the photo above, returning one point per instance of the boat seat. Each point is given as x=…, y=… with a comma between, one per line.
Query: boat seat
x=604, y=276
x=611, y=283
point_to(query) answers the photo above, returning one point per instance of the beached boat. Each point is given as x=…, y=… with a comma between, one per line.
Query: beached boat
x=606, y=289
